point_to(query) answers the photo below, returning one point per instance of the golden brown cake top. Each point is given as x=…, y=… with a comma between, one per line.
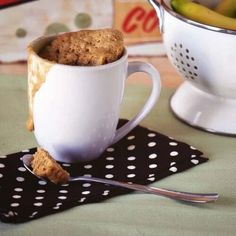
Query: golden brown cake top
x=85, y=47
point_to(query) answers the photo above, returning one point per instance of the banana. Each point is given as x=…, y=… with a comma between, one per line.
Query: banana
x=227, y=8
x=202, y=14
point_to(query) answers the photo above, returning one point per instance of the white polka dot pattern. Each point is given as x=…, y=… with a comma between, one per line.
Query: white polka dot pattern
x=174, y=153
x=20, y=179
x=195, y=162
x=151, y=135
x=173, y=169
x=110, y=149
x=22, y=169
x=42, y=182
x=131, y=175
x=109, y=176
x=18, y=189
x=86, y=185
x=38, y=204
x=173, y=143
x=88, y=166
x=39, y=198
x=62, y=197
x=131, y=137
x=151, y=144
x=131, y=147
x=143, y=157
x=152, y=156
x=106, y=192
x=131, y=158
x=131, y=167
x=16, y=196
x=152, y=166
x=86, y=192
x=109, y=166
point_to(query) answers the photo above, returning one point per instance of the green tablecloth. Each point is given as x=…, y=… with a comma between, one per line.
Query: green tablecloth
x=134, y=214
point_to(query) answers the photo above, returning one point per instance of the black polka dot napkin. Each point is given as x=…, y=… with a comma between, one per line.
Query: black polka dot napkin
x=142, y=157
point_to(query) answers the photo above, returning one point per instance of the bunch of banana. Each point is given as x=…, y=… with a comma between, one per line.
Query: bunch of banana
x=227, y=8
x=202, y=14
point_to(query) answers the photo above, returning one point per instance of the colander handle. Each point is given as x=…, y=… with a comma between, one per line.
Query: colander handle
x=159, y=10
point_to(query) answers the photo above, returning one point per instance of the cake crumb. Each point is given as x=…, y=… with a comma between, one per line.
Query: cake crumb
x=45, y=166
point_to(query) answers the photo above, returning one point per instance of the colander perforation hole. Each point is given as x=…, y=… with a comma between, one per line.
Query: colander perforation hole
x=184, y=61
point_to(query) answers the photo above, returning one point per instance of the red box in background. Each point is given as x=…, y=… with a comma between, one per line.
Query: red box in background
x=9, y=3
x=137, y=20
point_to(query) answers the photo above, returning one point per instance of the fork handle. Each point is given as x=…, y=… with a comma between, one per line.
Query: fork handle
x=176, y=195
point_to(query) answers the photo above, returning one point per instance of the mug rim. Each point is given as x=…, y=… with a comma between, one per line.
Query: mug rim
x=31, y=50
x=195, y=23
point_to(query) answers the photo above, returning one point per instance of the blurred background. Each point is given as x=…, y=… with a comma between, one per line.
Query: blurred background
x=21, y=21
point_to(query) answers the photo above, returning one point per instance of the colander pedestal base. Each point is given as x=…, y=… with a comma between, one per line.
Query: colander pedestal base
x=204, y=110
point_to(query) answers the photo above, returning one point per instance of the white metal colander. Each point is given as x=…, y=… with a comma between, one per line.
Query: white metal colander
x=205, y=56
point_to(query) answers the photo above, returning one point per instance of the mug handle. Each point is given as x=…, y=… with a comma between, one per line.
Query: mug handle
x=133, y=67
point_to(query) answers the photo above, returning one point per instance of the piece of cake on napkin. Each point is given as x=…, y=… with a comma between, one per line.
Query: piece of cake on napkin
x=45, y=166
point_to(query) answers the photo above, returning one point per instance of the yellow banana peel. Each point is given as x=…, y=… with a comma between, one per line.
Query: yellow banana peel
x=202, y=14
x=227, y=8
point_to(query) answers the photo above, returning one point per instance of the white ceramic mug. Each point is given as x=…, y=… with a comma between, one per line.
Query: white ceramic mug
x=75, y=109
